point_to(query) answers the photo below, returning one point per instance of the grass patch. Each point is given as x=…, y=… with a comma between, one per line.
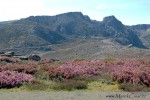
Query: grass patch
x=109, y=59
x=79, y=59
x=86, y=79
x=57, y=63
x=104, y=77
x=39, y=85
x=103, y=87
x=42, y=75
x=15, y=89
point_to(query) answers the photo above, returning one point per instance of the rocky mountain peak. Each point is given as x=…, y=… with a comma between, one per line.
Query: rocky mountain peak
x=112, y=21
x=74, y=15
x=110, y=18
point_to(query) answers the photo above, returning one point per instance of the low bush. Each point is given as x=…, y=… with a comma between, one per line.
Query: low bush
x=83, y=68
x=132, y=87
x=9, y=59
x=38, y=85
x=43, y=75
x=70, y=85
x=102, y=78
x=10, y=79
x=29, y=67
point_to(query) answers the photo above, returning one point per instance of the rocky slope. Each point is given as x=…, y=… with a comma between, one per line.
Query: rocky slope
x=143, y=31
x=38, y=32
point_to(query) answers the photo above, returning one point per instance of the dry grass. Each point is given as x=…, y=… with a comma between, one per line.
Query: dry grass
x=103, y=87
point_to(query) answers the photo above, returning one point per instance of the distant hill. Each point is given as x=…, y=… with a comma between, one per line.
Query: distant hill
x=41, y=31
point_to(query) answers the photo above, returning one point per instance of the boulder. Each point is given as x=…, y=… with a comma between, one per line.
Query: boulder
x=1, y=52
x=130, y=45
x=23, y=58
x=9, y=54
x=34, y=57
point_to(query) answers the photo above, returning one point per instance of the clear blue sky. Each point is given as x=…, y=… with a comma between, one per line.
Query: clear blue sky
x=130, y=12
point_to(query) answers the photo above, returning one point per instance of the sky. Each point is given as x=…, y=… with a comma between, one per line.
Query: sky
x=129, y=12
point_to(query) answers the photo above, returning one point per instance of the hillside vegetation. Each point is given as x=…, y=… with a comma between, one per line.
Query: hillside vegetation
x=113, y=74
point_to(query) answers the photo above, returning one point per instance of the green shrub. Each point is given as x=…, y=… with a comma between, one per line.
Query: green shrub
x=70, y=85
x=38, y=85
x=84, y=78
x=59, y=77
x=43, y=75
x=102, y=79
x=132, y=87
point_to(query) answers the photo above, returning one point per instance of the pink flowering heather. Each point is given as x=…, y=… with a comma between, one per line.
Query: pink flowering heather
x=122, y=70
x=9, y=60
x=132, y=70
x=83, y=68
x=13, y=78
x=29, y=68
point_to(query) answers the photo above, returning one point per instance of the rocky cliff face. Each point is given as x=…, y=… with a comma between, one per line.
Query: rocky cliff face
x=50, y=30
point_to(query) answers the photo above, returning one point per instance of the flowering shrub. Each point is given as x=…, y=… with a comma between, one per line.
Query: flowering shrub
x=122, y=70
x=13, y=78
x=82, y=68
x=29, y=67
x=9, y=60
x=132, y=71
x=71, y=69
x=52, y=70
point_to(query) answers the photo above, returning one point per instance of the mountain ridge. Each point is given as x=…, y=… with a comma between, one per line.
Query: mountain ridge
x=66, y=27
